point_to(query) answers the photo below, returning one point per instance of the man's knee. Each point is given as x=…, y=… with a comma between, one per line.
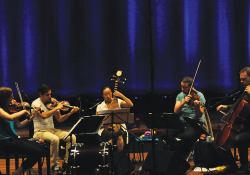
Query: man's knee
x=54, y=140
x=71, y=139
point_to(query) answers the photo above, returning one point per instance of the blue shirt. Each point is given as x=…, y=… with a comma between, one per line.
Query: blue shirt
x=189, y=110
x=7, y=129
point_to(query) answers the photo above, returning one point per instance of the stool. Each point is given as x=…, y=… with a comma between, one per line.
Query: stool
x=7, y=154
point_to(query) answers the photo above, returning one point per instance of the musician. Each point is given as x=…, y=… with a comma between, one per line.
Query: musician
x=9, y=140
x=242, y=140
x=105, y=134
x=183, y=140
x=44, y=127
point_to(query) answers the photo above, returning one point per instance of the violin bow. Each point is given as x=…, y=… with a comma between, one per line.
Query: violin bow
x=194, y=77
x=19, y=93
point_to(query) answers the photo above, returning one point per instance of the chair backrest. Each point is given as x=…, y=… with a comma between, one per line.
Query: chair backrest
x=31, y=129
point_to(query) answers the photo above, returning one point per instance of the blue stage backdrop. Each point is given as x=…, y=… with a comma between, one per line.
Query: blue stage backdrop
x=75, y=46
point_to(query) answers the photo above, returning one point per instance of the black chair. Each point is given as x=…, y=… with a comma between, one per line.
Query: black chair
x=7, y=158
x=46, y=146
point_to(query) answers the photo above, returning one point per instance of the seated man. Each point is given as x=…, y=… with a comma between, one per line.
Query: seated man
x=44, y=127
x=183, y=108
x=106, y=134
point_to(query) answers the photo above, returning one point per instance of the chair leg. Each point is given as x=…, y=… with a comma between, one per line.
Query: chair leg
x=17, y=161
x=39, y=166
x=48, y=161
x=7, y=164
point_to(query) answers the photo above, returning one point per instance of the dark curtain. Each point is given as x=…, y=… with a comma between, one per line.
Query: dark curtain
x=75, y=46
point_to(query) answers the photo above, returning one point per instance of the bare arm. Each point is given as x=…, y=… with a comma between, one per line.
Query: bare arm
x=61, y=118
x=51, y=112
x=199, y=108
x=221, y=107
x=126, y=103
x=12, y=117
x=26, y=121
x=179, y=105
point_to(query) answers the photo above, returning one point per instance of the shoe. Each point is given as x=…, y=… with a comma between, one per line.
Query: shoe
x=230, y=169
x=56, y=169
x=65, y=167
x=244, y=168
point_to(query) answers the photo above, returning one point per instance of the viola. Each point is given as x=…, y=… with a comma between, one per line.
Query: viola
x=14, y=106
x=194, y=96
x=53, y=103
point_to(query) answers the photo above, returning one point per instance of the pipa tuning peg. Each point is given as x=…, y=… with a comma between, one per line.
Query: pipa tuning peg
x=124, y=79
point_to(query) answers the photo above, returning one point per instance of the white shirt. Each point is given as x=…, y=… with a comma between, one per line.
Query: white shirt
x=102, y=107
x=39, y=122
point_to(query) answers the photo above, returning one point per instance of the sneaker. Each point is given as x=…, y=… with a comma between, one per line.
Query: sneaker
x=56, y=169
x=65, y=166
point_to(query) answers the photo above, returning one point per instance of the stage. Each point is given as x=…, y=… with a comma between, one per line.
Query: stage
x=90, y=144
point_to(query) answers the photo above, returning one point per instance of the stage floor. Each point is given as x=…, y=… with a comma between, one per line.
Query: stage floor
x=34, y=170
x=215, y=119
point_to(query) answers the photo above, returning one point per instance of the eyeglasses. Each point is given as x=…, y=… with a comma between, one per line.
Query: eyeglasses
x=184, y=87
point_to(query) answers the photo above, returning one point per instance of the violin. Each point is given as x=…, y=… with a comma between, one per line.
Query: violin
x=14, y=106
x=53, y=103
x=194, y=96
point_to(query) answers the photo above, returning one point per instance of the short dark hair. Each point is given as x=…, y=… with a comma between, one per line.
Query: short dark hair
x=43, y=88
x=103, y=88
x=188, y=80
x=247, y=70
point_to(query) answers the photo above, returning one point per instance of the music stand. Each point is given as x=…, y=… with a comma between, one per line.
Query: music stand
x=200, y=130
x=89, y=124
x=86, y=124
x=163, y=120
x=116, y=116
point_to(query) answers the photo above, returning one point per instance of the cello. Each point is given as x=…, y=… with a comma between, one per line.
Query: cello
x=235, y=117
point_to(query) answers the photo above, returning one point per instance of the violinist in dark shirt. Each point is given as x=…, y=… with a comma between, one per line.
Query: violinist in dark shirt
x=242, y=140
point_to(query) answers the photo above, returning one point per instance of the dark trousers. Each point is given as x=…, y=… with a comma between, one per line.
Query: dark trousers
x=241, y=141
x=188, y=138
x=23, y=146
x=107, y=135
